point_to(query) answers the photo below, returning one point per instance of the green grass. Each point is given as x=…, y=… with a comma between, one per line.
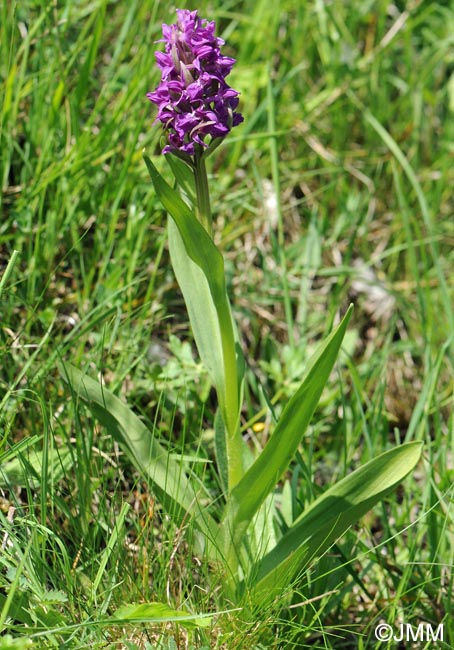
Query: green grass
x=341, y=170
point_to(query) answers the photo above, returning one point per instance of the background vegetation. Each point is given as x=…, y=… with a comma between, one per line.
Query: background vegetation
x=337, y=188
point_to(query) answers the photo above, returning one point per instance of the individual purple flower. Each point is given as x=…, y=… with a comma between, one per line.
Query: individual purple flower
x=193, y=99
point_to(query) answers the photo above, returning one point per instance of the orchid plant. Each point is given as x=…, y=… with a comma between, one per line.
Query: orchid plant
x=197, y=109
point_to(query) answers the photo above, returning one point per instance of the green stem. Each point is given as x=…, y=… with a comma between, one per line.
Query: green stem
x=228, y=402
x=203, y=207
x=231, y=410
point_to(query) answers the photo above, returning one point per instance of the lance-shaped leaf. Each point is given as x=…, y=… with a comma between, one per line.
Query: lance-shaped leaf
x=199, y=269
x=202, y=312
x=329, y=517
x=145, y=452
x=184, y=176
x=160, y=613
x=198, y=243
x=261, y=478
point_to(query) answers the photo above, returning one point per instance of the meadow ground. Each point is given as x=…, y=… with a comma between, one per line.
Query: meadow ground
x=337, y=188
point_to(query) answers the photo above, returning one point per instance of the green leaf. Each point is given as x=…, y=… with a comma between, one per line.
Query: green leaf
x=161, y=613
x=220, y=447
x=268, y=468
x=25, y=469
x=146, y=453
x=199, y=268
x=202, y=312
x=329, y=517
x=184, y=176
x=198, y=243
x=18, y=608
x=8, y=642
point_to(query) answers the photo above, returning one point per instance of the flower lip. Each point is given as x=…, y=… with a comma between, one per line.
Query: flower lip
x=193, y=98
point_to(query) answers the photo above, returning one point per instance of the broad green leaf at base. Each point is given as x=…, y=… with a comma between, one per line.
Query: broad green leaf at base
x=261, y=478
x=329, y=517
x=146, y=453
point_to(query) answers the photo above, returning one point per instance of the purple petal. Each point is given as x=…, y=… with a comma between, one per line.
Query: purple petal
x=194, y=101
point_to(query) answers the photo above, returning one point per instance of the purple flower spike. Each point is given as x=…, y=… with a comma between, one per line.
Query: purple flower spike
x=193, y=98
